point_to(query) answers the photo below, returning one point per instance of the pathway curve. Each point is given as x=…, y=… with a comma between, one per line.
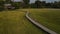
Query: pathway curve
x=39, y=25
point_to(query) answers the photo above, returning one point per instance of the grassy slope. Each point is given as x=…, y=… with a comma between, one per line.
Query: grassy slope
x=13, y=22
x=48, y=18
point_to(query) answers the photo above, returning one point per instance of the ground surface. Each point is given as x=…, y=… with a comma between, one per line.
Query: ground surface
x=14, y=22
x=47, y=17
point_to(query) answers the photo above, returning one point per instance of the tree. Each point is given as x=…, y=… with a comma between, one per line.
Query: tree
x=1, y=5
x=17, y=5
x=32, y=5
x=38, y=3
x=7, y=1
x=43, y=3
x=26, y=3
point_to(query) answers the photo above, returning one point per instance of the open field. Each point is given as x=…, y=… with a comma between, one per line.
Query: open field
x=14, y=22
x=47, y=17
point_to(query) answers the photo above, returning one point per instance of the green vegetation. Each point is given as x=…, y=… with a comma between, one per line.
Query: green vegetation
x=11, y=4
x=14, y=22
x=47, y=17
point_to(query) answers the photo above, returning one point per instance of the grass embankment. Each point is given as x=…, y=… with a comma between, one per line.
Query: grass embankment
x=48, y=18
x=14, y=22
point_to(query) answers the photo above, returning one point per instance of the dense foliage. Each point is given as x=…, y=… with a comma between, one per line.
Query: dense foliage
x=43, y=4
x=1, y=5
x=27, y=4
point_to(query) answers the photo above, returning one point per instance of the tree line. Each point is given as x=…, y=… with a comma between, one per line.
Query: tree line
x=27, y=4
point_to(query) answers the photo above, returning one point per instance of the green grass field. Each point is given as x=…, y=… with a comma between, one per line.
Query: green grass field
x=14, y=22
x=47, y=17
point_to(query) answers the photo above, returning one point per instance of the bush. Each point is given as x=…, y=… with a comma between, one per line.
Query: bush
x=16, y=5
x=1, y=8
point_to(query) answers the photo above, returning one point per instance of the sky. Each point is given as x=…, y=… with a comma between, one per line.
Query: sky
x=32, y=1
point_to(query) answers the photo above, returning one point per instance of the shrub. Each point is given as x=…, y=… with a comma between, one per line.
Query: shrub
x=1, y=8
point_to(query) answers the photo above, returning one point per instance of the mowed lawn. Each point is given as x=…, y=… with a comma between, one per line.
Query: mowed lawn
x=15, y=22
x=47, y=17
